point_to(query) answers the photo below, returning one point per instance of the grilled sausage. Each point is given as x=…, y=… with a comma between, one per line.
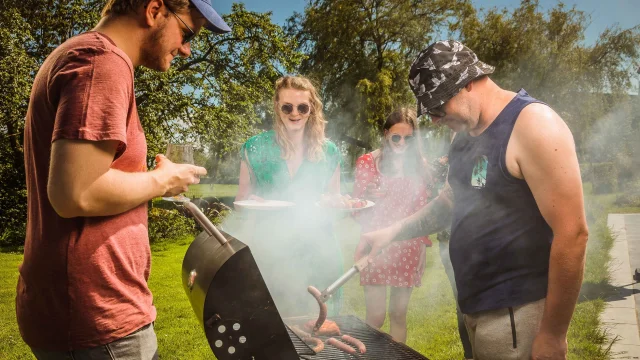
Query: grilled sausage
x=341, y=346
x=355, y=342
x=316, y=344
x=323, y=308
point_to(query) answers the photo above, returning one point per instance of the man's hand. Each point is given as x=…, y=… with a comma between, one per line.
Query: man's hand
x=373, y=242
x=176, y=178
x=546, y=346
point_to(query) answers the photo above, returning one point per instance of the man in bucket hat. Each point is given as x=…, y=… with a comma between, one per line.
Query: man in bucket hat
x=514, y=201
x=82, y=290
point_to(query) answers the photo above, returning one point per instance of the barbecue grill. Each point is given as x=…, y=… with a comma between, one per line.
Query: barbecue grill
x=379, y=345
x=238, y=315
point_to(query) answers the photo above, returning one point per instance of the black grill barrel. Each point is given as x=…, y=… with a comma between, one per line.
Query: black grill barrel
x=230, y=298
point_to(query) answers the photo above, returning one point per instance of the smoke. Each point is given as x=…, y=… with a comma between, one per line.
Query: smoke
x=308, y=244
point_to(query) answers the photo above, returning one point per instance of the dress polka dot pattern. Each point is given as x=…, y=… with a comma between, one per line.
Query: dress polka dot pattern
x=397, y=265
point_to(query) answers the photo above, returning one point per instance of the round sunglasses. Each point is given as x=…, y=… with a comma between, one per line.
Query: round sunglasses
x=396, y=138
x=303, y=109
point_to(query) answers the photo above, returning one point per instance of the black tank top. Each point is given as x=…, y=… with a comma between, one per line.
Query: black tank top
x=500, y=243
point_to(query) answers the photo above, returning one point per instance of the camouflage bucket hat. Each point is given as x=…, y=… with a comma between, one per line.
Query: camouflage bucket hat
x=441, y=71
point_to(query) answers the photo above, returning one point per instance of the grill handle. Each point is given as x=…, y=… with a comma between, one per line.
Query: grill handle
x=358, y=267
x=206, y=224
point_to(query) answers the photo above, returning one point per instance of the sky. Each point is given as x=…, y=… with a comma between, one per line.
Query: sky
x=604, y=13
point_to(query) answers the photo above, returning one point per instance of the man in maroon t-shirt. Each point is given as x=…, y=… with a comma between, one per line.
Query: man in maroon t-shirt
x=82, y=291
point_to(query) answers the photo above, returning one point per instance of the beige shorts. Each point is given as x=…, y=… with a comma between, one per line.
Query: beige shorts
x=504, y=334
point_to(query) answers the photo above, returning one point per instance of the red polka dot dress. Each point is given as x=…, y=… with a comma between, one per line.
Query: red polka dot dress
x=397, y=265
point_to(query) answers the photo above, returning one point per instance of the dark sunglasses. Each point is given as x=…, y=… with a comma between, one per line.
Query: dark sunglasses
x=396, y=138
x=303, y=109
x=186, y=37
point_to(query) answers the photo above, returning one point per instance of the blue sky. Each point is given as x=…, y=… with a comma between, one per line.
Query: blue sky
x=603, y=12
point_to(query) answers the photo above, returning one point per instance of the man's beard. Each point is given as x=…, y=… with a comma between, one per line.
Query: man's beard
x=152, y=55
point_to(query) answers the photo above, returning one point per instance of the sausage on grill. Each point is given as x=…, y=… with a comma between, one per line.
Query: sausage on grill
x=323, y=308
x=316, y=344
x=341, y=346
x=355, y=342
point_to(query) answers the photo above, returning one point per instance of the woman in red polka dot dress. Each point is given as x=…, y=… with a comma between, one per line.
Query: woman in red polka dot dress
x=396, y=178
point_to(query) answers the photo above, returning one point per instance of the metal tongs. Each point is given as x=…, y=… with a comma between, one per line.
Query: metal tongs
x=356, y=268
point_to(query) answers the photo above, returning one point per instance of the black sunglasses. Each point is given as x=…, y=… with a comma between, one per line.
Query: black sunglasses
x=396, y=138
x=186, y=38
x=303, y=109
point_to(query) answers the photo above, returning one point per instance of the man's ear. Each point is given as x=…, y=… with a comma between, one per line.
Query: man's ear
x=153, y=12
x=469, y=86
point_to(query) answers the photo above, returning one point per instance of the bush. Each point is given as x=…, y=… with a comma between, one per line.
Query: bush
x=604, y=178
x=169, y=224
x=629, y=199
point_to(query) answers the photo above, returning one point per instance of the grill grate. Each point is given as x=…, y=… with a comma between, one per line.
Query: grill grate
x=379, y=345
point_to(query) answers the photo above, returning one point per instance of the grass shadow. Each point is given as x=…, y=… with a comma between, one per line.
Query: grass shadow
x=605, y=291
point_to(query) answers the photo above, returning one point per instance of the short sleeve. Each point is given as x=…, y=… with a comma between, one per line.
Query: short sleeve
x=333, y=157
x=243, y=152
x=95, y=90
x=363, y=176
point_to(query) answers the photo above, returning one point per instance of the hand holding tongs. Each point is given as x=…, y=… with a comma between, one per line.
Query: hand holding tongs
x=322, y=297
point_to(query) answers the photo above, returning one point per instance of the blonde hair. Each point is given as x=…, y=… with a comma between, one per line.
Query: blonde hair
x=314, y=138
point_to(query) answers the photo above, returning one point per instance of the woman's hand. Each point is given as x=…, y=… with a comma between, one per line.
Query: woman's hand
x=256, y=198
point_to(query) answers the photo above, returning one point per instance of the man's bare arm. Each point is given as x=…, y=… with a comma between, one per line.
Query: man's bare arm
x=545, y=153
x=434, y=217
x=82, y=182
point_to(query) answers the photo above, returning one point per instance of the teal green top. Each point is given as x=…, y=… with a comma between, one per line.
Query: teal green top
x=270, y=176
x=295, y=247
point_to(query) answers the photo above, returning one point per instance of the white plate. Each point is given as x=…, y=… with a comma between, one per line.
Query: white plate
x=263, y=205
x=369, y=204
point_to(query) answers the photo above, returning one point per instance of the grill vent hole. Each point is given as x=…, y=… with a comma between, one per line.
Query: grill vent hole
x=236, y=326
x=222, y=329
x=242, y=339
x=232, y=350
x=218, y=343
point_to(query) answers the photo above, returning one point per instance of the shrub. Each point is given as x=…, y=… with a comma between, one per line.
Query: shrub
x=629, y=199
x=169, y=224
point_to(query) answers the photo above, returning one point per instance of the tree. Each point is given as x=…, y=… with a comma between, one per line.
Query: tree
x=215, y=98
x=360, y=51
x=545, y=53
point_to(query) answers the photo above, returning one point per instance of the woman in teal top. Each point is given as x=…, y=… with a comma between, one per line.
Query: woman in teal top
x=294, y=248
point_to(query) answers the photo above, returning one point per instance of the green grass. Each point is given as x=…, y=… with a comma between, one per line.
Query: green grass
x=11, y=345
x=431, y=318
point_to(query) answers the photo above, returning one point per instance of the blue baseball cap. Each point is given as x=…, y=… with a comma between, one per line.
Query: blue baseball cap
x=214, y=21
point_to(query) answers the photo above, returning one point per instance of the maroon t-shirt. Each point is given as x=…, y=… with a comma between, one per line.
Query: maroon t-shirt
x=83, y=281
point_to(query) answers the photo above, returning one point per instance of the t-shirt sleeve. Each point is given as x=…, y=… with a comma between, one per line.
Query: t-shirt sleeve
x=95, y=96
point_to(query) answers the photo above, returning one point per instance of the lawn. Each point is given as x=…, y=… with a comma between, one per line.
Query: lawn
x=431, y=318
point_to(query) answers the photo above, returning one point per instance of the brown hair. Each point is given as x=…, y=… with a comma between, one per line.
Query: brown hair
x=124, y=7
x=414, y=162
x=314, y=138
